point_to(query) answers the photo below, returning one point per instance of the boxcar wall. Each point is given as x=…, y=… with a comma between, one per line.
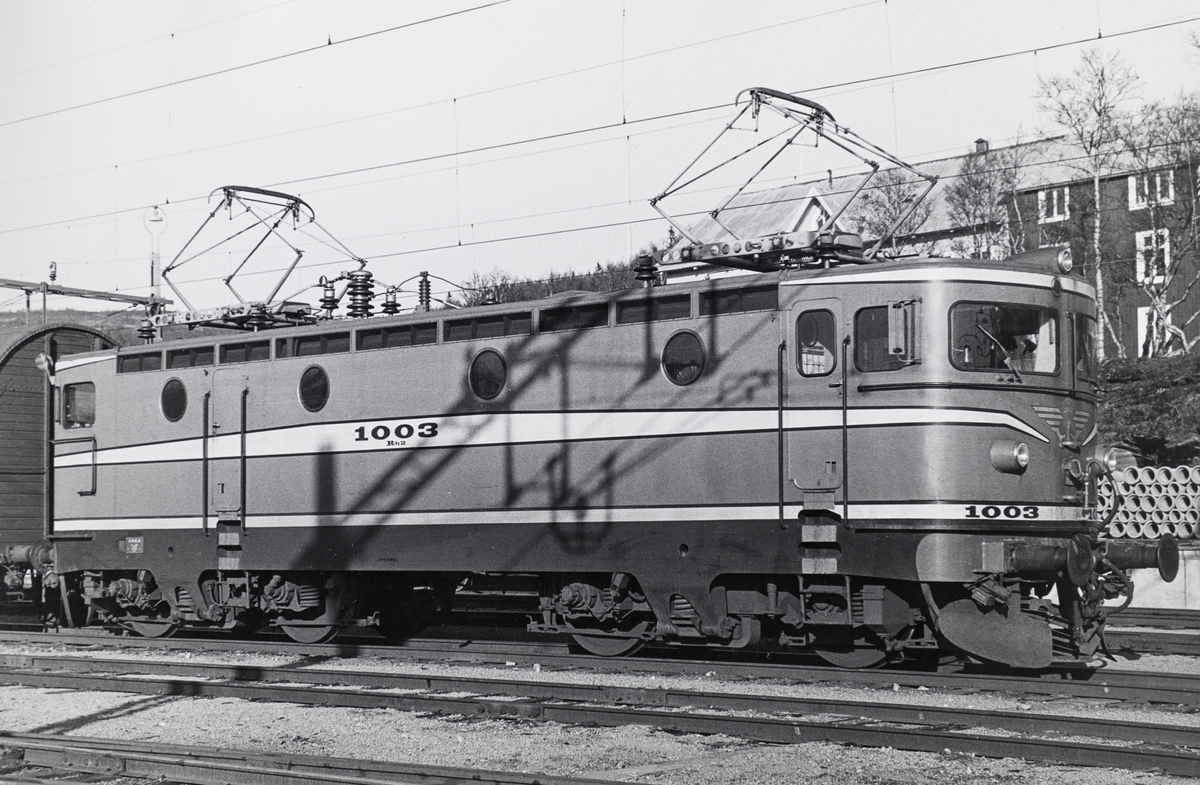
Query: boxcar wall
x=23, y=423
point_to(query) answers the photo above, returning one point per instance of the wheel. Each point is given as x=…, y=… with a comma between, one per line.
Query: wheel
x=151, y=629
x=606, y=646
x=319, y=633
x=860, y=648
x=152, y=622
x=340, y=601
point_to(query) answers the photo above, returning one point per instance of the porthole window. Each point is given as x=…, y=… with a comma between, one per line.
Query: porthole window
x=683, y=358
x=174, y=400
x=488, y=374
x=314, y=388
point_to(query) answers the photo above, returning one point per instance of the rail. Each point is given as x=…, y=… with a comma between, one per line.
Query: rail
x=771, y=719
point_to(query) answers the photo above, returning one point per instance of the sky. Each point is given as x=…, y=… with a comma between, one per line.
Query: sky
x=472, y=136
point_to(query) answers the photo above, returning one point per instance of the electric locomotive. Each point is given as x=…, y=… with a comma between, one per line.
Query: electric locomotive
x=870, y=458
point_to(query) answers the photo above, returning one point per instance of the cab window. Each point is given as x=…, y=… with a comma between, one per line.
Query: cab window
x=871, y=349
x=999, y=337
x=816, y=335
x=79, y=405
x=1085, y=348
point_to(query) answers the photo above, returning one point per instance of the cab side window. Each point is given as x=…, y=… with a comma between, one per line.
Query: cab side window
x=816, y=335
x=79, y=405
x=871, y=349
x=1085, y=348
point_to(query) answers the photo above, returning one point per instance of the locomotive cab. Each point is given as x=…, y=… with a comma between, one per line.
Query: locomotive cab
x=954, y=445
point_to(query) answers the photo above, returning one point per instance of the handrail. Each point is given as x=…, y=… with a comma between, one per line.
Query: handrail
x=204, y=495
x=242, y=462
x=80, y=440
x=782, y=364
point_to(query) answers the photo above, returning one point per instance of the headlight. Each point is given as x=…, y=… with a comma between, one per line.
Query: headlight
x=1065, y=262
x=1009, y=456
x=1116, y=460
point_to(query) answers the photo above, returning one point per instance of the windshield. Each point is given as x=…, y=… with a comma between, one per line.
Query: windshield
x=999, y=337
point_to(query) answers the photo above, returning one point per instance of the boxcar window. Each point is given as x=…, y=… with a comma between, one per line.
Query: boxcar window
x=997, y=337
x=871, y=350
x=79, y=405
x=1085, y=348
x=816, y=335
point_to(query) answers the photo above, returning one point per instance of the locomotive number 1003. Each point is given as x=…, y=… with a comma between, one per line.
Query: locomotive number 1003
x=993, y=511
x=395, y=436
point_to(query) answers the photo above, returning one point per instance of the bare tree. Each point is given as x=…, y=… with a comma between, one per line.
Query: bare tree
x=978, y=198
x=1163, y=141
x=886, y=200
x=1090, y=105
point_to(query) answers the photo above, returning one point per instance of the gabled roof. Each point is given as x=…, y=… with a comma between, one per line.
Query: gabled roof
x=791, y=207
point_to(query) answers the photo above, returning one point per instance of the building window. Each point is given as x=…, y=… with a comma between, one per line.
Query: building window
x=1151, y=188
x=1054, y=204
x=1148, y=325
x=1152, y=257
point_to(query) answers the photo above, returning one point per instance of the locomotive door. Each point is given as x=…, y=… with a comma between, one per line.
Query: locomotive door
x=226, y=450
x=815, y=437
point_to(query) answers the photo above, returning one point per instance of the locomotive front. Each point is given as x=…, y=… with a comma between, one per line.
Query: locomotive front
x=964, y=463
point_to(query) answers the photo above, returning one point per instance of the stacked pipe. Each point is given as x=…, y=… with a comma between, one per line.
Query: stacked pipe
x=1153, y=501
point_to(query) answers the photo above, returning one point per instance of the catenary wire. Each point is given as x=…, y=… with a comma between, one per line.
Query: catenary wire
x=264, y=61
x=607, y=126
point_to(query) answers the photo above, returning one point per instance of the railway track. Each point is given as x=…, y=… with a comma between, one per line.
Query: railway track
x=753, y=717
x=1096, y=684
x=1165, y=618
x=210, y=766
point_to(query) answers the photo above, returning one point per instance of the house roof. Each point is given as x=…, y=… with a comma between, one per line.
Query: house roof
x=786, y=208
